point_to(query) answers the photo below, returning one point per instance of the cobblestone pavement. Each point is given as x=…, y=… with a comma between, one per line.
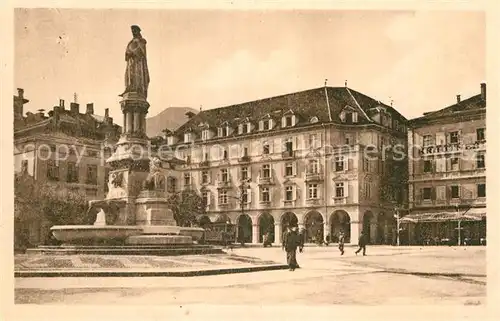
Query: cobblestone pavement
x=387, y=275
x=106, y=262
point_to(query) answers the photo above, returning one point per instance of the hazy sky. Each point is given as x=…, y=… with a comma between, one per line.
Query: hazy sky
x=217, y=58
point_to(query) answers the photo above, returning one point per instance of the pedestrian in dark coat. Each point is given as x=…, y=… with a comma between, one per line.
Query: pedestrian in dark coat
x=363, y=241
x=291, y=241
x=341, y=242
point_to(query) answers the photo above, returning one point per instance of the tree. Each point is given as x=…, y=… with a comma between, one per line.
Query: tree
x=41, y=205
x=186, y=206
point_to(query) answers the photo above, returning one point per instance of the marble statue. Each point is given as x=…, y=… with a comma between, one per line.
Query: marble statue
x=156, y=178
x=137, y=73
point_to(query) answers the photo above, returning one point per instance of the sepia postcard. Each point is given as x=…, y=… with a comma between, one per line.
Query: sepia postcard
x=268, y=160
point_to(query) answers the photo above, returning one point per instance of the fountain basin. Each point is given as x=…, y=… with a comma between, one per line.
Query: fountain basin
x=196, y=233
x=93, y=233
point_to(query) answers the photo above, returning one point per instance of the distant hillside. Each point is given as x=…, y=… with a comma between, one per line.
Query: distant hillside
x=170, y=118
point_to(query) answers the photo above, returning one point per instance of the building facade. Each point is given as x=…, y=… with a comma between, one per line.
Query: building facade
x=64, y=148
x=325, y=159
x=447, y=174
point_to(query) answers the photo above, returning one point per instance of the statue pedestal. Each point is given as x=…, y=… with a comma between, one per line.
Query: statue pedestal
x=153, y=211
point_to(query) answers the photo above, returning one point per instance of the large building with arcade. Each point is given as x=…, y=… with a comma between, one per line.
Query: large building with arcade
x=447, y=174
x=327, y=159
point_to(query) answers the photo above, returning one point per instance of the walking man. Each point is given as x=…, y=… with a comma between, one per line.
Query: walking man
x=363, y=240
x=341, y=242
x=290, y=243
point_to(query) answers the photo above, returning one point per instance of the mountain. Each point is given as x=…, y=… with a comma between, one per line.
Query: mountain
x=171, y=118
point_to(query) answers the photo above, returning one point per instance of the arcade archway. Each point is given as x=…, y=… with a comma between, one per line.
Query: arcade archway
x=221, y=218
x=386, y=229
x=288, y=219
x=367, y=222
x=244, y=229
x=314, y=227
x=266, y=225
x=340, y=221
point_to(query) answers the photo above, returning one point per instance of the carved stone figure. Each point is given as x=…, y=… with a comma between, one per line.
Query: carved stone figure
x=116, y=179
x=155, y=179
x=137, y=73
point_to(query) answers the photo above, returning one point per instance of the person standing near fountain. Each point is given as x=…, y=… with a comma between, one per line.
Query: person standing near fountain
x=136, y=73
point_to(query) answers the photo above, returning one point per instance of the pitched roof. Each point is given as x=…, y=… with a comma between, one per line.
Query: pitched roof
x=304, y=104
x=473, y=103
x=67, y=119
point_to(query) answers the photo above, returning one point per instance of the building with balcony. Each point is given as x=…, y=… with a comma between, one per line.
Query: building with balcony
x=65, y=148
x=447, y=174
x=321, y=158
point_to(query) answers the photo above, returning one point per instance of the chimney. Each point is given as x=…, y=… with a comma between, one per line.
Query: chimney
x=458, y=99
x=106, y=113
x=75, y=108
x=61, y=104
x=483, y=91
x=20, y=93
x=90, y=108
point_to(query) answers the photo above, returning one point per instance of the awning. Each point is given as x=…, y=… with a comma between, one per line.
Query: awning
x=475, y=214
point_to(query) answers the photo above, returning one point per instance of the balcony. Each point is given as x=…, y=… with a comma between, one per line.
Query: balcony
x=450, y=202
x=339, y=200
x=314, y=176
x=226, y=205
x=288, y=154
x=224, y=183
x=204, y=164
x=453, y=148
x=313, y=202
x=458, y=174
x=245, y=159
x=265, y=203
x=265, y=180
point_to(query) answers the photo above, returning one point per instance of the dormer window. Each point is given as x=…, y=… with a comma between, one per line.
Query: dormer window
x=243, y=128
x=205, y=134
x=349, y=116
x=288, y=121
x=187, y=137
x=266, y=124
x=223, y=131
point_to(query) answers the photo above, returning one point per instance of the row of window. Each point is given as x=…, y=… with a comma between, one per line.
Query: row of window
x=265, y=171
x=72, y=173
x=290, y=194
x=454, y=192
x=451, y=137
x=244, y=128
x=450, y=164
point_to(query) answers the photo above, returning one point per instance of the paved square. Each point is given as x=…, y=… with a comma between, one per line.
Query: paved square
x=387, y=275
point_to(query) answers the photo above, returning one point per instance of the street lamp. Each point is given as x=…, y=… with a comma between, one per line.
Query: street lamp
x=459, y=228
x=397, y=217
x=243, y=185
